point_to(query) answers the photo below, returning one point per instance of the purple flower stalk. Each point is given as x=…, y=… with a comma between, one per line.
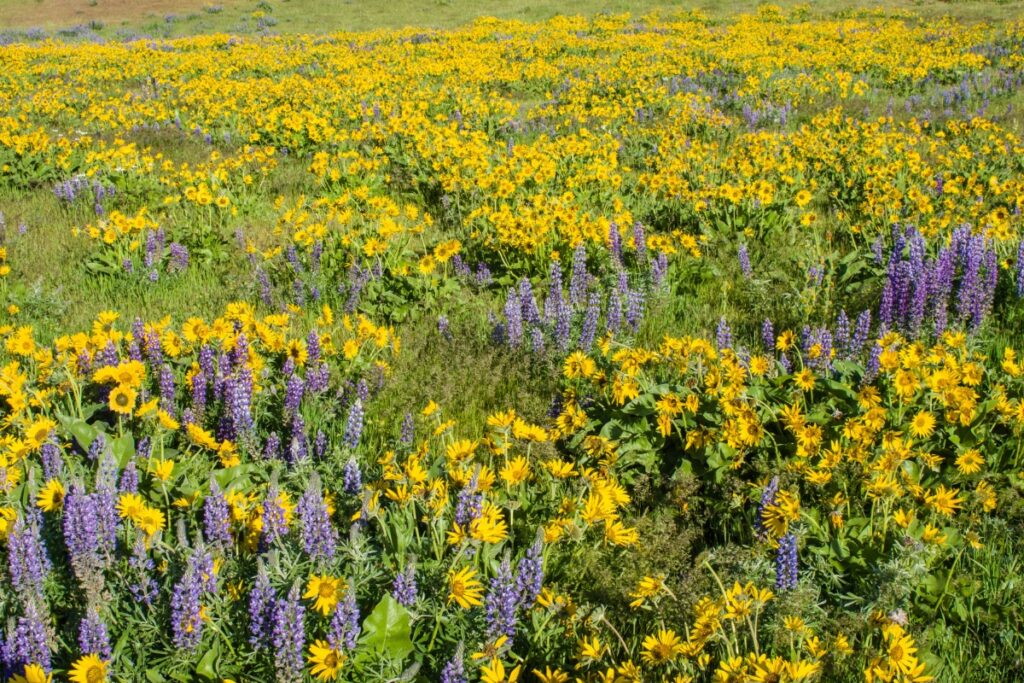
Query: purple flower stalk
x=27, y=559
x=530, y=575
x=261, y=609
x=354, y=426
x=216, y=517
x=274, y=524
x=344, y=630
x=744, y=259
x=580, y=277
x=353, y=478
x=501, y=602
x=289, y=637
x=455, y=670
x=318, y=536
x=723, y=335
x=93, y=637
x=786, y=563
x=403, y=588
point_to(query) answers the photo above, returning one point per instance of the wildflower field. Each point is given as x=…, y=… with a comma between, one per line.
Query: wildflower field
x=618, y=348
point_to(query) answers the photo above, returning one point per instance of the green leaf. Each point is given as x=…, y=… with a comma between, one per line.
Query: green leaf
x=83, y=432
x=388, y=629
x=154, y=676
x=123, y=449
x=205, y=666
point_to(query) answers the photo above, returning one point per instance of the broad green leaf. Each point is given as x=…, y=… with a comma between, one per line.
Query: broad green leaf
x=388, y=629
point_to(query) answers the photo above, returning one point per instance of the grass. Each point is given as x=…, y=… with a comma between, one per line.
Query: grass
x=173, y=18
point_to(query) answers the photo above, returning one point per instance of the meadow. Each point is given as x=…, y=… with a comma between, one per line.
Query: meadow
x=667, y=346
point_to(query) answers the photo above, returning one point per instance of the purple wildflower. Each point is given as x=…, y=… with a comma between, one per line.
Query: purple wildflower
x=345, y=629
x=216, y=517
x=319, y=537
x=261, y=609
x=354, y=426
x=93, y=637
x=289, y=636
x=404, y=586
x=501, y=602
x=786, y=563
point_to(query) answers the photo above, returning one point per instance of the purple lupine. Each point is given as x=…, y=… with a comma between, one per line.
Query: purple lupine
x=363, y=391
x=289, y=636
x=659, y=269
x=744, y=259
x=1020, y=269
x=634, y=309
x=723, y=335
x=354, y=425
x=318, y=536
x=530, y=313
x=580, y=277
x=514, y=318
x=320, y=445
x=842, y=336
x=403, y=588
x=96, y=448
x=460, y=267
x=265, y=287
x=272, y=448
x=455, y=670
x=588, y=331
x=501, y=602
x=613, y=320
x=639, y=242
x=53, y=462
x=530, y=575
x=563, y=330
x=860, y=333
x=261, y=609
x=93, y=637
x=318, y=378
x=199, y=392
x=238, y=400
x=186, y=614
x=786, y=563
x=81, y=535
x=768, y=336
x=443, y=328
x=216, y=517
x=30, y=642
x=150, y=251
x=408, y=430
x=469, y=504
x=615, y=244
x=874, y=363
x=553, y=302
x=767, y=500
x=297, y=446
x=144, y=589
x=293, y=394
x=483, y=274
x=129, y=479
x=344, y=630
x=274, y=523
x=353, y=478
x=105, y=504
x=315, y=254
x=27, y=558
x=167, y=389
x=536, y=340
x=179, y=257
